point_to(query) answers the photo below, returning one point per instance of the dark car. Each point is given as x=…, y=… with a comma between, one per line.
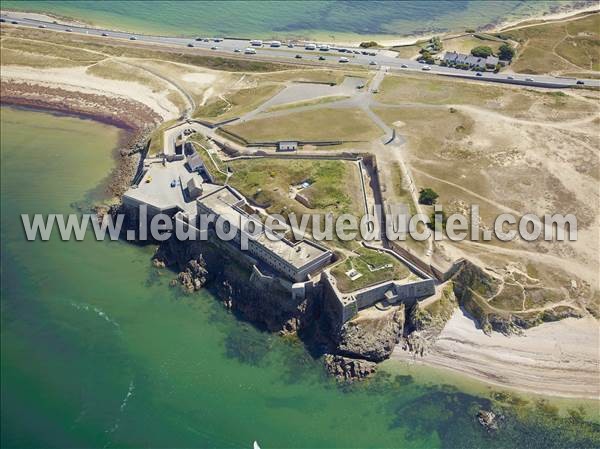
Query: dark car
x=213, y=48
x=298, y=56
x=132, y=38
x=2, y=20
x=580, y=82
x=321, y=58
x=104, y=34
x=478, y=74
x=14, y=22
x=198, y=38
x=190, y=45
x=68, y=30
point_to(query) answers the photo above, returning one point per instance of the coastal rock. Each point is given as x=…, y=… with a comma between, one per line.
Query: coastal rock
x=488, y=420
x=193, y=277
x=372, y=334
x=348, y=369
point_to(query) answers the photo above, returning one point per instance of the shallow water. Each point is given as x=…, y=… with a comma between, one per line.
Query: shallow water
x=315, y=19
x=98, y=351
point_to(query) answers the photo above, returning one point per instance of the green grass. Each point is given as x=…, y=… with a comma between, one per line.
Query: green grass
x=157, y=138
x=366, y=260
x=299, y=104
x=80, y=56
x=267, y=181
x=325, y=124
x=330, y=76
x=214, y=164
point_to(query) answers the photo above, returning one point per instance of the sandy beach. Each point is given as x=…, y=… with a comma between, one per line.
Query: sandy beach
x=556, y=359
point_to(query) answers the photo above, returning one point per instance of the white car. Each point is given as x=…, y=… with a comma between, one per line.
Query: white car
x=404, y=66
x=250, y=51
x=344, y=59
x=531, y=80
x=509, y=77
x=372, y=63
x=426, y=68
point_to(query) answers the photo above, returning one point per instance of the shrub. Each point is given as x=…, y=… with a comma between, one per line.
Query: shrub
x=427, y=196
x=482, y=51
x=506, y=52
x=369, y=44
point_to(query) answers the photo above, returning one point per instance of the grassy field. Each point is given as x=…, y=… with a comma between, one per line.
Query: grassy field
x=433, y=90
x=561, y=46
x=237, y=103
x=16, y=57
x=213, y=162
x=518, y=103
x=329, y=76
x=81, y=56
x=299, y=104
x=157, y=138
x=318, y=125
x=334, y=185
x=117, y=71
x=367, y=262
x=464, y=44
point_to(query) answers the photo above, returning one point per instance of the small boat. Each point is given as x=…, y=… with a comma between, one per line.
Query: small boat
x=255, y=445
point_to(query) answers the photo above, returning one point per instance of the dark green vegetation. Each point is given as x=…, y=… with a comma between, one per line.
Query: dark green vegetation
x=482, y=51
x=427, y=196
x=506, y=52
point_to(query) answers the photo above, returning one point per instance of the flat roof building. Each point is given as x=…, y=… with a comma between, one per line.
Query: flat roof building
x=294, y=260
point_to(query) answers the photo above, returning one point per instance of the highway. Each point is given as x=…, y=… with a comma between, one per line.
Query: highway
x=229, y=46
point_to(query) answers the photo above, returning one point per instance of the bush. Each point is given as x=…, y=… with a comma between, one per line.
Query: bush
x=469, y=30
x=369, y=44
x=434, y=225
x=506, y=52
x=482, y=51
x=427, y=196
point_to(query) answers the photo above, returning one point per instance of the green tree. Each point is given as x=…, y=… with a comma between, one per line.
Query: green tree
x=482, y=51
x=427, y=196
x=506, y=52
x=426, y=56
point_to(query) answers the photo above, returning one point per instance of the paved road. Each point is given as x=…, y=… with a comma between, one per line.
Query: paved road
x=288, y=55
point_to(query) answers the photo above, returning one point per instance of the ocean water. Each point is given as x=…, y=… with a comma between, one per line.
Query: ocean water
x=311, y=19
x=98, y=351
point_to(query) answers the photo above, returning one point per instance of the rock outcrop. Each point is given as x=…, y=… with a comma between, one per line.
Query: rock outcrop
x=348, y=369
x=373, y=334
x=193, y=277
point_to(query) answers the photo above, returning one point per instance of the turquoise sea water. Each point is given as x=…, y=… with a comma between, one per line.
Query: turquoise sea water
x=323, y=19
x=98, y=351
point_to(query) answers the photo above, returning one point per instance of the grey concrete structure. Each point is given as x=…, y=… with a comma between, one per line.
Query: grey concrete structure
x=293, y=260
